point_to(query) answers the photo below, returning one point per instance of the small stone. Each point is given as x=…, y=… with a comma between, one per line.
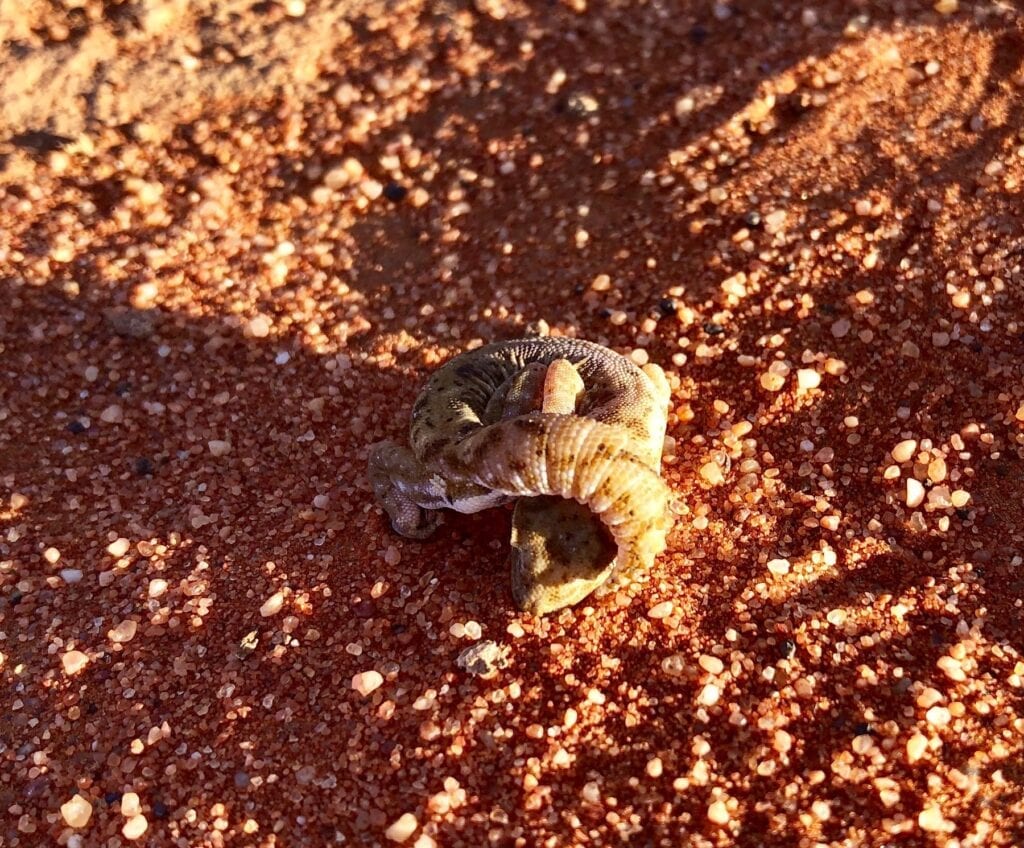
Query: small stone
x=124, y=632
x=1019, y=414
x=836, y=616
x=130, y=805
x=74, y=662
x=938, y=717
x=76, y=812
x=937, y=470
x=295, y=8
x=930, y=819
x=157, y=587
x=659, y=611
x=711, y=473
x=774, y=221
x=219, y=447
x=778, y=566
x=582, y=105
x=337, y=178
x=910, y=350
x=718, y=813
x=395, y=193
x=960, y=498
x=113, y=414
x=928, y=697
x=484, y=658
x=915, y=493
x=51, y=555
x=841, y=328
x=130, y=323
x=402, y=828
x=808, y=378
x=371, y=189
x=709, y=695
x=946, y=7
x=904, y=451
x=951, y=668
x=711, y=664
x=366, y=682
x=258, y=327
x=772, y=382
x=70, y=575
x=118, y=548
x=272, y=605
x=250, y=641
x=916, y=747
x=889, y=797
x=135, y=827
x=655, y=767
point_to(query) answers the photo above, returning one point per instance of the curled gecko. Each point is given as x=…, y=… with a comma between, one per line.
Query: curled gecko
x=571, y=429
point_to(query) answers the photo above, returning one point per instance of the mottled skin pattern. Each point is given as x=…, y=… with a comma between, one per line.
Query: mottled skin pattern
x=572, y=429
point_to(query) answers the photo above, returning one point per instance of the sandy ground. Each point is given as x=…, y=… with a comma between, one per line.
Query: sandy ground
x=234, y=241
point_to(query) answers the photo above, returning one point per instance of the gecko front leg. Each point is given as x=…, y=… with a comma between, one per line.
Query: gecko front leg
x=413, y=494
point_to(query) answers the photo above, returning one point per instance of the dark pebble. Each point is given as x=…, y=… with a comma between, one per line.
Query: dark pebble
x=666, y=306
x=395, y=193
x=37, y=786
x=159, y=810
x=787, y=648
x=112, y=797
x=902, y=686
x=713, y=329
x=144, y=466
x=752, y=219
x=76, y=427
x=862, y=728
x=698, y=34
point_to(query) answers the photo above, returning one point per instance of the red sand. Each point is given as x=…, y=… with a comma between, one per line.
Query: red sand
x=810, y=217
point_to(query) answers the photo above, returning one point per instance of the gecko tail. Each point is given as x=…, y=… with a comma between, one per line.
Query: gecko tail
x=574, y=457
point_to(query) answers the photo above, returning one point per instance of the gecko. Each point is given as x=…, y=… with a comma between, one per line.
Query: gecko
x=570, y=429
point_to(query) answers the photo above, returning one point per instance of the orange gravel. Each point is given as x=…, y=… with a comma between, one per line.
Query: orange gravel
x=810, y=214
